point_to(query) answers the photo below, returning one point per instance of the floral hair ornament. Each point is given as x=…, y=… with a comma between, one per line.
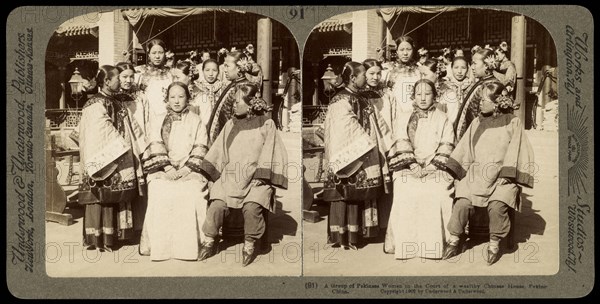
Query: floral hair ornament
x=475, y=49
x=258, y=105
x=169, y=55
x=222, y=51
x=440, y=66
x=504, y=102
x=504, y=46
x=192, y=54
x=491, y=62
x=423, y=52
x=244, y=65
x=446, y=52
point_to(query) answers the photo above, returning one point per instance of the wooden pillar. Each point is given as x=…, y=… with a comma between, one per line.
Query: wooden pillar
x=264, y=43
x=518, y=47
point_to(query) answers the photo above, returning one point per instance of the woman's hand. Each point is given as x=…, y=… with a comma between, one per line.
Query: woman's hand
x=183, y=172
x=503, y=181
x=429, y=169
x=416, y=170
x=171, y=173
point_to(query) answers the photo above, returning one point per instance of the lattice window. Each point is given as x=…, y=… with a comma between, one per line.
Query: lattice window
x=242, y=29
x=498, y=27
x=68, y=119
x=449, y=29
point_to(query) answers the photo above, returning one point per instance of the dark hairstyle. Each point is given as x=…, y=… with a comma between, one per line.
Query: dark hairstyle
x=104, y=72
x=221, y=58
x=405, y=39
x=204, y=51
x=122, y=66
x=410, y=41
x=493, y=90
x=369, y=63
x=208, y=61
x=155, y=42
x=350, y=69
x=427, y=82
x=180, y=84
x=431, y=64
x=186, y=67
x=457, y=58
x=249, y=91
x=237, y=55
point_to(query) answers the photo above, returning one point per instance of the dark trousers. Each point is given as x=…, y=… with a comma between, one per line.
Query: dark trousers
x=254, y=223
x=344, y=222
x=497, y=212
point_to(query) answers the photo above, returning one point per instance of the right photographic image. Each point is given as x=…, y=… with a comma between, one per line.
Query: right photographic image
x=430, y=144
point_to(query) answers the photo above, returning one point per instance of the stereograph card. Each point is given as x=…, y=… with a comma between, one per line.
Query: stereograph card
x=300, y=152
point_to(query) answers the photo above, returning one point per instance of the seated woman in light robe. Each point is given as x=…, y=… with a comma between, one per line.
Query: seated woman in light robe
x=422, y=203
x=176, y=190
x=110, y=146
x=490, y=161
x=245, y=163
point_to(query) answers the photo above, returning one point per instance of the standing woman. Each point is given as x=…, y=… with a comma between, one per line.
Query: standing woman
x=208, y=89
x=131, y=96
x=353, y=162
x=110, y=165
x=483, y=64
x=403, y=77
x=506, y=72
x=453, y=89
x=382, y=104
x=155, y=77
x=236, y=67
x=137, y=104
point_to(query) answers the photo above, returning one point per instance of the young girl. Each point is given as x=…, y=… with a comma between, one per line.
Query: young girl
x=493, y=138
x=353, y=161
x=422, y=209
x=248, y=141
x=110, y=164
x=452, y=91
x=208, y=90
x=176, y=190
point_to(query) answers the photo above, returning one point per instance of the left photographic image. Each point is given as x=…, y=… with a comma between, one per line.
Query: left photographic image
x=173, y=145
